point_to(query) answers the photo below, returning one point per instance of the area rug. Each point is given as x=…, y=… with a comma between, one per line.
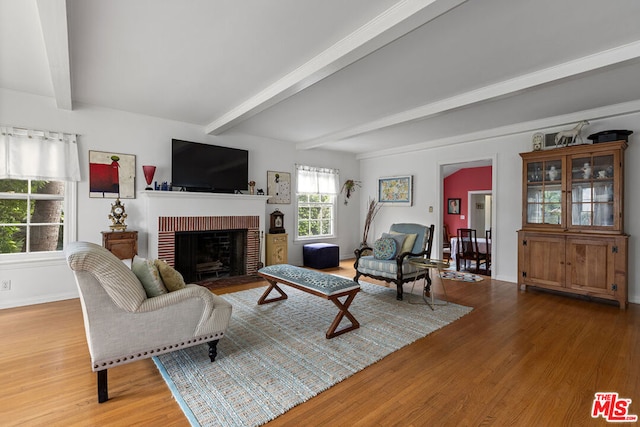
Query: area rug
x=275, y=356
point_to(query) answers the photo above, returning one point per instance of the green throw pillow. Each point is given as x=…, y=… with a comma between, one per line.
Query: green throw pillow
x=171, y=277
x=146, y=271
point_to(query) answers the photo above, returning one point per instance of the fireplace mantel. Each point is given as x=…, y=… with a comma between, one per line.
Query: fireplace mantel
x=186, y=204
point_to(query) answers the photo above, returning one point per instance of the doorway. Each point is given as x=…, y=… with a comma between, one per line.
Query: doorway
x=478, y=200
x=480, y=203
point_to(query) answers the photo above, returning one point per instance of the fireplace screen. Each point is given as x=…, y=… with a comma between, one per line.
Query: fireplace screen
x=210, y=255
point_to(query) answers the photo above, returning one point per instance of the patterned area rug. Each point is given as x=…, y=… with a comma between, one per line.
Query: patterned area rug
x=275, y=356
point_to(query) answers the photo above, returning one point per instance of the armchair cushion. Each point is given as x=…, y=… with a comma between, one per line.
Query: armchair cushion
x=368, y=265
x=146, y=271
x=385, y=248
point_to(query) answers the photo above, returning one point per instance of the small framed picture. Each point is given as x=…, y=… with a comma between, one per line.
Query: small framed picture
x=396, y=191
x=550, y=141
x=279, y=187
x=453, y=206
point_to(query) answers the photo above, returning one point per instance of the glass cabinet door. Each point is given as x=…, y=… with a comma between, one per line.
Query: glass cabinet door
x=544, y=192
x=592, y=189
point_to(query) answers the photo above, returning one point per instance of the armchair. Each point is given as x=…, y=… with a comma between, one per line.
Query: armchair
x=398, y=270
x=123, y=325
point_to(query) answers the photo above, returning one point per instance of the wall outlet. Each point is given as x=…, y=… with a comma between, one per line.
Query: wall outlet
x=5, y=285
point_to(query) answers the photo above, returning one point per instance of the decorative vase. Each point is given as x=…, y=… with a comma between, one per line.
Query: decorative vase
x=149, y=172
x=553, y=173
x=586, y=171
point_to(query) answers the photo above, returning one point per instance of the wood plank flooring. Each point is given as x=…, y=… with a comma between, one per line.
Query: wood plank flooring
x=520, y=358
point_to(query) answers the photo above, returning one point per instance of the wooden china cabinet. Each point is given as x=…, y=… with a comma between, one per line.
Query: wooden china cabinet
x=572, y=238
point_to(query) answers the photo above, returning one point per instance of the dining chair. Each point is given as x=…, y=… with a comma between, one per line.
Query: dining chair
x=488, y=254
x=467, y=249
x=446, y=242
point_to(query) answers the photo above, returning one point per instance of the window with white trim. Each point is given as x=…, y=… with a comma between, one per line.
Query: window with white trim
x=38, y=174
x=31, y=215
x=316, y=202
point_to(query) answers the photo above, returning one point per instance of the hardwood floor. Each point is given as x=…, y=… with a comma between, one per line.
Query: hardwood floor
x=519, y=358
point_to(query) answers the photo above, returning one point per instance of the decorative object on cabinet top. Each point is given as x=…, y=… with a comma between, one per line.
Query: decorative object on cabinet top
x=569, y=137
x=277, y=222
x=117, y=216
x=610, y=135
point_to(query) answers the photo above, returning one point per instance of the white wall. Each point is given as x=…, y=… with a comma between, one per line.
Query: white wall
x=425, y=165
x=149, y=139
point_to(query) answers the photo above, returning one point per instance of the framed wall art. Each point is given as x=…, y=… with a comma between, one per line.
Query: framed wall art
x=278, y=187
x=453, y=206
x=396, y=190
x=112, y=175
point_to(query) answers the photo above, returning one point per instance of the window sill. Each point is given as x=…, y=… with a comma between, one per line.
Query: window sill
x=29, y=260
x=313, y=239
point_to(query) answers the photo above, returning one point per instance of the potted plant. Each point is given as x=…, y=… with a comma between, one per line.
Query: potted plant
x=348, y=188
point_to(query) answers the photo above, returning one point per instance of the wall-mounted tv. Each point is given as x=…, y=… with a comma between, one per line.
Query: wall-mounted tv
x=208, y=168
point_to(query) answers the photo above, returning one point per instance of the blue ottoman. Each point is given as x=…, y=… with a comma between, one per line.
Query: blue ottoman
x=321, y=255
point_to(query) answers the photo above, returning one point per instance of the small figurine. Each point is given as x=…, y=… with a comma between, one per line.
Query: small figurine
x=568, y=137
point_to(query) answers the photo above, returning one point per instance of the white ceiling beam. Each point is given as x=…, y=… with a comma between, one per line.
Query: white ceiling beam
x=403, y=17
x=590, y=63
x=53, y=20
x=570, y=119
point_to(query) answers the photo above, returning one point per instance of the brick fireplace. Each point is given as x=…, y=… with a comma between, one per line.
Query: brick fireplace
x=171, y=212
x=169, y=226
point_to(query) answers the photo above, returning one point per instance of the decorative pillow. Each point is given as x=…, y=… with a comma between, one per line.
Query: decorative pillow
x=409, y=241
x=384, y=248
x=146, y=271
x=171, y=277
x=399, y=238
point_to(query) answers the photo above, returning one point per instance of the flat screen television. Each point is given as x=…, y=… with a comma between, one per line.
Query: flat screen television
x=208, y=168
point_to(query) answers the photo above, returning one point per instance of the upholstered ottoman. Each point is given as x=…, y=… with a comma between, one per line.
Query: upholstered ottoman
x=321, y=255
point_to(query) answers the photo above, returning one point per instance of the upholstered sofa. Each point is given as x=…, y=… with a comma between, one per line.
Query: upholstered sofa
x=398, y=270
x=123, y=325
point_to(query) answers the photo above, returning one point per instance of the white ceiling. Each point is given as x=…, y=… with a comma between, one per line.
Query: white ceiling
x=360, y=76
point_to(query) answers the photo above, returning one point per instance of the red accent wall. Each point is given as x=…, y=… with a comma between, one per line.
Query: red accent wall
x=456, y=186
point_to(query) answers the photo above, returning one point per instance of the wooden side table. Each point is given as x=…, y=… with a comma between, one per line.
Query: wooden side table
x=277, y=250
x=123, y=244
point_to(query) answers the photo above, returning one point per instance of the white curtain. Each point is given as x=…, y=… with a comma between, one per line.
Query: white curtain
x=31, y=154
x=317, y=180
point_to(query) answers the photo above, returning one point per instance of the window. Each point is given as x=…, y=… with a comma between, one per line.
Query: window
x=38, y=175
x=31, y=215
x=316, y=198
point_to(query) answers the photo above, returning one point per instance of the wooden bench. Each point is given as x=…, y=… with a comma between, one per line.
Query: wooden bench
x=324, y=285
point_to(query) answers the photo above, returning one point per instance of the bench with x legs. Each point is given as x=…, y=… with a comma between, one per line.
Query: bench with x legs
x=324, y=285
